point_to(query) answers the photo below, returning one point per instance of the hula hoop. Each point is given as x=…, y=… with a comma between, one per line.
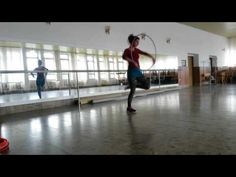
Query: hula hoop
x=143, y=35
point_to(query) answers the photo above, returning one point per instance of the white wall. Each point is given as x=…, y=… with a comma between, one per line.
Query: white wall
x=184, y=39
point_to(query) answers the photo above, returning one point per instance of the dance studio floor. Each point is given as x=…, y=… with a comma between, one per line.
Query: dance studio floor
x=199, y=120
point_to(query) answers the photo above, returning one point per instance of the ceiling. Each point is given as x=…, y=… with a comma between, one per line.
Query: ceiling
x=226, y=29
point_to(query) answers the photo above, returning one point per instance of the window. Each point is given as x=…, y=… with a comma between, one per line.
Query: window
x=145, y=62
x=2, y=61
x=111, y=63
x=50, y=64
x=32, y=57
x=81, y=62
x=81, y=65
x=104, y=76
x=32, y=63
x=32, y=54
x=162, y=62
x=47, y=47
x=92, y=62
x=14, y=62
x=65, y=65
x=102, y=63
x=121, y=64
x=92, y=65
x=166, y=62
x=91, y=75
x=112, y=75
x=112, y=66
x=64, y=62
x=11, y=59
x=103, y=66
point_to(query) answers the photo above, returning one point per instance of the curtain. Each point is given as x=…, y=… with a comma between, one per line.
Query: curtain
x=11, y=59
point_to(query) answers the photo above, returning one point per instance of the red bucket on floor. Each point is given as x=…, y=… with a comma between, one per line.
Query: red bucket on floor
x=4, y=145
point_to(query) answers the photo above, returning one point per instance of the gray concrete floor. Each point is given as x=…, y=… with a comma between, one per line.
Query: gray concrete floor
x=199, y=120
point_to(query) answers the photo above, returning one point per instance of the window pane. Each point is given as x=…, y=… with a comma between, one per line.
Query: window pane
x=81, y=62
x=48, y=55
x=90, y=66
x=65, y=64
x=90, y=58
x=64, y=56
x=101, y=59
x=166, y=62
x=111, y=66
x=16, y=78
x=121, y=66
x=112, y=75
x=30, y=45
x=51, y=76
x=120, y=59
x=91, y=76
x=104, y=76
x=47, y=47
x=2, y=67
x=32, y=54
x=14, y=59
x=82, y=77
x=32, y=64
x=102, y=66
x=63, y=48
x=50, y=64
x=103, y=63
x=64, y=76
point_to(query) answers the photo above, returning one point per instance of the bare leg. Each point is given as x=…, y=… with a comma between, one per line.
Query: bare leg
x=132, y=84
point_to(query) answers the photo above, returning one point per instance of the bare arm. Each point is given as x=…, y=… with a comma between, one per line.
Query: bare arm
x=33, y=72
x=148, y=55
x=46, y=71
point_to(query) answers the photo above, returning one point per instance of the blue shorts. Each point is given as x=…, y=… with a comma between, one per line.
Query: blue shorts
x=40, y=82
x=134, y=73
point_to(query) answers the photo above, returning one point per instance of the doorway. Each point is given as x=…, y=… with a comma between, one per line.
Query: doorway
x=213, y=66
x=194, y=70
x=190, y=69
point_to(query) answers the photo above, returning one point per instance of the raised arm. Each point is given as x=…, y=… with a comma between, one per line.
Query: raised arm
x=33, y=72
x=148, y=55
x=46, y=71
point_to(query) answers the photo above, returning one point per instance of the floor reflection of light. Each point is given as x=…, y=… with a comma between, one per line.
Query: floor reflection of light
x=67, y=119
x=113, y=108
x=104, y=111
x=231, y=103
x=168, y=101
x=3, y=131
x=53, y=121
x=93, y=117
x=35, y=126
x=82, y=119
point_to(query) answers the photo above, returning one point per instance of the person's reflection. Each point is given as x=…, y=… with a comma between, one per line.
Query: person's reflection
x=138, y=141
x=41, y=77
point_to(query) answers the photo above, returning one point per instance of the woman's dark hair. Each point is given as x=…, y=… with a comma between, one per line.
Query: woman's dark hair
x=132, y=38
x=40, y=62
